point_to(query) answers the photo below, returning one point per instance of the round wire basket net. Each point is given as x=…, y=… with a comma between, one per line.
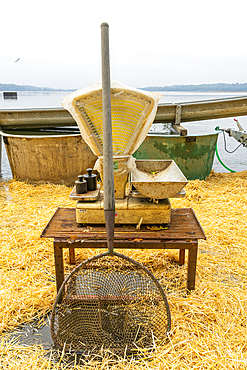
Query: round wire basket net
x=110, y=302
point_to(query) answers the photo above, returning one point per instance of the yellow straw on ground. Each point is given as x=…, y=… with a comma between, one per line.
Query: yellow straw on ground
x=209, y=326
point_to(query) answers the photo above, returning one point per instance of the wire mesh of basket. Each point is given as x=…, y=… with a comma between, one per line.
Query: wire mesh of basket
x=110, y=302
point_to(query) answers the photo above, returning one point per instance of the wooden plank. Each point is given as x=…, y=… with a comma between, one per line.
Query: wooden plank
x=125, y=244
x=191, y=270
x=59, y=267
x=184, y=226
x=178, y=117
x=72, y=256
x=67, y=234
x=180, y=129
x=181, y=257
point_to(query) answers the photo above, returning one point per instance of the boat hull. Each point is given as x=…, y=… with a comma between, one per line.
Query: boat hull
x=42, y=159
x=194, y=155
x=60, y=159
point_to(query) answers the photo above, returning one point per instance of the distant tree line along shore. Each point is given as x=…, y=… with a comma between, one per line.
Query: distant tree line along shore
x=13, y=87
x=201, y=87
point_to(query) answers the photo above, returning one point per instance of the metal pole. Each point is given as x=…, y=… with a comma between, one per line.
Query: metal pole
x=108, y=180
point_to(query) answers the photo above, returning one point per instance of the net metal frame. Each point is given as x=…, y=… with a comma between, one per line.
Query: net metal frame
x=110, y=302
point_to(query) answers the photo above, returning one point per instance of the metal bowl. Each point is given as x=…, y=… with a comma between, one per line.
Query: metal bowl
x=158, y=179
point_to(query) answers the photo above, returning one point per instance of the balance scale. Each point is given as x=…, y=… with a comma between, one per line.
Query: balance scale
x=142, y=187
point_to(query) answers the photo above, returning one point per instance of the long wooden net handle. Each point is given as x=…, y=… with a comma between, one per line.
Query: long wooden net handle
x=108, y=180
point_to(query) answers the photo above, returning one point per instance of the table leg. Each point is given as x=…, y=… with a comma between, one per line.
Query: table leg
x=59, y=269
x=191, y=271
x=72, y=256
x=181, y=257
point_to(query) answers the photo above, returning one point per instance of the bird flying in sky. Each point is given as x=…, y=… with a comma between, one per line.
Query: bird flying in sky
x=16, y=60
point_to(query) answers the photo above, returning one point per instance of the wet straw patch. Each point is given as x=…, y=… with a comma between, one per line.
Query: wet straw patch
x=209, y=326
x=36, y=333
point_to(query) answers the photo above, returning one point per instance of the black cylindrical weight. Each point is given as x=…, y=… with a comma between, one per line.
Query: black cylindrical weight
x=91, y=179
x=81, y=185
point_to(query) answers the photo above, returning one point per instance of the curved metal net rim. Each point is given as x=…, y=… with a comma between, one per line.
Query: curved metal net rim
x=84, y=263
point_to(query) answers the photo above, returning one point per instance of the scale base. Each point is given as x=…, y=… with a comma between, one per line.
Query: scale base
x=129, y=210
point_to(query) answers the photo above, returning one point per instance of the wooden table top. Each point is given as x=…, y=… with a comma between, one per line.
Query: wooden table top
x=184, y=226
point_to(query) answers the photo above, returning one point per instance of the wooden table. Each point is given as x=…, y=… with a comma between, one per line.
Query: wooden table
x=183, y=233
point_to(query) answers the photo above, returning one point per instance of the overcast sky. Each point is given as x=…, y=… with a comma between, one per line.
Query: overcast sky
x=156, y=42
